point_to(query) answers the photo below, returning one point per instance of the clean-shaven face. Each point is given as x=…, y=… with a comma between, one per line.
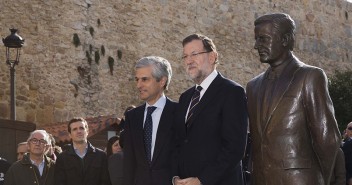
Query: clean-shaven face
x=150, y=90
x=269, y=44
x=79, y=132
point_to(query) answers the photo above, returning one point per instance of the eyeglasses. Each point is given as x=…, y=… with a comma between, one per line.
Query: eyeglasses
x=193, y=55
x=349, y=128
x=36, y=141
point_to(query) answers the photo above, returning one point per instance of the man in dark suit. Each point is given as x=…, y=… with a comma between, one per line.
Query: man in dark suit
x=294, y=134
x=211, y=121
x=148, y=145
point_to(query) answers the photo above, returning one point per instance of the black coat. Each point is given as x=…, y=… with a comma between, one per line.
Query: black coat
x=214, y=144
x=4, y=166
x=73, y=170
x=347, y=150
x=137, y=170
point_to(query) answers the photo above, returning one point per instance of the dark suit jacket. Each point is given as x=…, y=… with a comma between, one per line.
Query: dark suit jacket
x=298, y=142
x=214, y=144
x=347, y=150
x=115, y=166
x=137, y=171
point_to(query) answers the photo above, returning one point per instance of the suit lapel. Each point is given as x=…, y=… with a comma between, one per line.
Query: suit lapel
x=139, y=130
x=259, y=93
x=207, y=97
x=164, y=125
x=284, y=82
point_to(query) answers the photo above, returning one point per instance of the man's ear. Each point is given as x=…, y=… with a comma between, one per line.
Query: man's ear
x=213, y=56
x=163, y=81
x=285, y=39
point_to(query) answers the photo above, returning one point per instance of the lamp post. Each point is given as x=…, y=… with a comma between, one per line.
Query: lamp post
x=13, y=44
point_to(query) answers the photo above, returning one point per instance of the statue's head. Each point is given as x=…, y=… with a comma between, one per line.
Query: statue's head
x=275, y=36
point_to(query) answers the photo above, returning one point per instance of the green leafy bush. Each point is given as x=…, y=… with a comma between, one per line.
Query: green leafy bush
x=340, y=89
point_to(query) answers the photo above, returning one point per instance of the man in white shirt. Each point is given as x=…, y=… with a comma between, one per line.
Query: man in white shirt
x=211, y=120
x=148, y=145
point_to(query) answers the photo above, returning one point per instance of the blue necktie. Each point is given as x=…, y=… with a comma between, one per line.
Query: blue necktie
x=194, y=103
x=148, y=131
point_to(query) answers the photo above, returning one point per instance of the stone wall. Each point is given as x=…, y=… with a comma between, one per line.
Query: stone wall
x=54, y=80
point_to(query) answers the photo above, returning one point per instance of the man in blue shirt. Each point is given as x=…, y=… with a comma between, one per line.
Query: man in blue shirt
x=81, y=163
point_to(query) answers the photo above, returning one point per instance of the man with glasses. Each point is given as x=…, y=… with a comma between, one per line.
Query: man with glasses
x=348, y=132
x=81, y=163
x=35, y=167
x=211, y=121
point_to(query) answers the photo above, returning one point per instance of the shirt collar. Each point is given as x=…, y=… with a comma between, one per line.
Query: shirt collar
x=77, y=151
x=158, y=104
x=280, y=68
x=33, y=162
x=207, y=81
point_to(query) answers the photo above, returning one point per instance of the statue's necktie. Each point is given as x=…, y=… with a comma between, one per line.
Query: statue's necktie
x=194, y=103
x=148, y=131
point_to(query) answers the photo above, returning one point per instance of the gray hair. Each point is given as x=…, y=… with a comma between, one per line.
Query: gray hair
x=282, y=24
x=161, y=68
x=43, y=132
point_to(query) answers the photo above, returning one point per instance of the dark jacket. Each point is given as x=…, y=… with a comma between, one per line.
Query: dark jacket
x=116, y=168
x=213, y=145
x=136, y=169
x=25, y=173
x=347, y=150
x=4, y=166
x=73, y=170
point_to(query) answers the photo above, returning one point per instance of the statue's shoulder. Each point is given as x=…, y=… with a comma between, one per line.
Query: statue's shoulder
x=257, y=78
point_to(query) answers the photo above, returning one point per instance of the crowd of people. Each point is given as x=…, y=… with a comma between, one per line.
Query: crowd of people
x=203, y=139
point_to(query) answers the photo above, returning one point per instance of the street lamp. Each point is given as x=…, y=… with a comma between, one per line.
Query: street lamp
x=13, y=44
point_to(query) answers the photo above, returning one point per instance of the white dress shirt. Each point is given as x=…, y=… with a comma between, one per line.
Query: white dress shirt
x=205, y=85
x=160, y=104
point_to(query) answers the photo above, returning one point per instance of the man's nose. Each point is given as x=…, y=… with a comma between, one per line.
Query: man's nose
x=138, y=84
x=256, y=44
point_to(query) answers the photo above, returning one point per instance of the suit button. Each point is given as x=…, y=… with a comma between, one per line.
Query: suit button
x=186, y=141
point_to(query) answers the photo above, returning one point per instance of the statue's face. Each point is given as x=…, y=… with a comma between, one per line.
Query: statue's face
x=269, y=44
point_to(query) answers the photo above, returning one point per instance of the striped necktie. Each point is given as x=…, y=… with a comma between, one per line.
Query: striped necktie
x=194, y=103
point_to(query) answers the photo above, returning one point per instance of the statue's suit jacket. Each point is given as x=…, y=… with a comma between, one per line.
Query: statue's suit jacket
x=213, y=145
x=136, y=169
x=298, y=142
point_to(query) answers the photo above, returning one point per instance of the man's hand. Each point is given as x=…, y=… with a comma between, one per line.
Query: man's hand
x=187, y=181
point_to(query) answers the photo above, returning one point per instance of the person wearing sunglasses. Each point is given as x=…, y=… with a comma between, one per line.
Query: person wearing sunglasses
x=348, y=132
x=35, y=167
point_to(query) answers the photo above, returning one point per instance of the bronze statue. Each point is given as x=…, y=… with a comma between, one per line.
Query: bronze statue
x=292, y=124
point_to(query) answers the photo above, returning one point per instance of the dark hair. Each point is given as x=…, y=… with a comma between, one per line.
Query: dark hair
x=111, y=141
x=76, y=119
x=208, y=44
x=282, y=24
